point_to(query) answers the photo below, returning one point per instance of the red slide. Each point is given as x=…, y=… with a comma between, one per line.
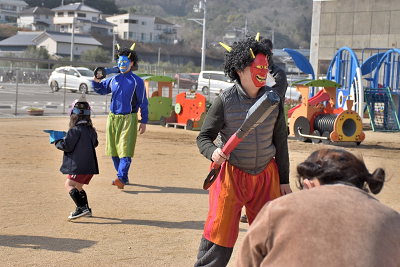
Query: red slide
x=319, y=97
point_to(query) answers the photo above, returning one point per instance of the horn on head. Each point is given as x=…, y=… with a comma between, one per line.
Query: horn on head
x=252, y=54
x=226, y=46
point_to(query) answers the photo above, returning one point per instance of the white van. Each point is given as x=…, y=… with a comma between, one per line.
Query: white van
x=213, y=81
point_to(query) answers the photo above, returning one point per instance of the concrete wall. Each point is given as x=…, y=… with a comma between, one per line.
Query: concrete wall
x=356, y=24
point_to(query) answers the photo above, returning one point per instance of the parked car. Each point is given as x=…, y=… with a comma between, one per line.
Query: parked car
x=72, y=78
x=186, y=80
x=213, y=82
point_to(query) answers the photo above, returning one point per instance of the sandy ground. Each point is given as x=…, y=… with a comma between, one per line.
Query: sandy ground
x=155, y=221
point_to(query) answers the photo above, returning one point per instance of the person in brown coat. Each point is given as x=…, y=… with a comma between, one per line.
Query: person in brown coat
x=334, y=223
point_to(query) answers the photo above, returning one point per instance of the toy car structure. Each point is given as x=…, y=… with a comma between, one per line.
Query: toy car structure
x=320, y=122
x=189, y=111
x=159, y=105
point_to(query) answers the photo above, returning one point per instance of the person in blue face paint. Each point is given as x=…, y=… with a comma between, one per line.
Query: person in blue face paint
x=128, y=94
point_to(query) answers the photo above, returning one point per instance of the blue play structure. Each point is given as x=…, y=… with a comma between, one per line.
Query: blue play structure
x=382, y=97
x=380, y=70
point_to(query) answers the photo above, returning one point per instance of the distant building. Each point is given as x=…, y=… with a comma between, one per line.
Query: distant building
x=84, y=18
x=36, y=19
x=58, y=44
x=10, y=10
x=19, y=42
x=143, y=28
x=356, y=24
x=233, y=34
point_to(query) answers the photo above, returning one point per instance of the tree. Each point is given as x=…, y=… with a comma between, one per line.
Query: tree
x=96, y=55
x=38, y=53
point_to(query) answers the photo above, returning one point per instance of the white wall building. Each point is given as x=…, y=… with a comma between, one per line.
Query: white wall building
x=59, y=43
x=36, y=19
x=84, y=18
x=10, y=10
x=143, y=28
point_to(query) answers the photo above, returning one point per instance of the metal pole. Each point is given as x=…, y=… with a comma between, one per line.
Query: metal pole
x=203, y=46
x=16, y=92
x=65, y=86
x=158, y=67
x=113, y=48
x=72, y=39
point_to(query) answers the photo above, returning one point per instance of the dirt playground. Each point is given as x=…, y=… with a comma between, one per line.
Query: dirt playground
x=157, y=220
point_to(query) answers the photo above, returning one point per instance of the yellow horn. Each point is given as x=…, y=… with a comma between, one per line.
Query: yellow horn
x=133, y=46
x=129, y=55
x=252, y=54
x=257, y=37
x=118, y=46
x=226, y=47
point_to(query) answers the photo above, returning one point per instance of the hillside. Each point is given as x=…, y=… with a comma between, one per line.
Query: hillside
x=290, y=20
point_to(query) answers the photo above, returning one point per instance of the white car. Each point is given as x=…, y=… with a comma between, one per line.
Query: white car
x=213, y=82
x=71, y=78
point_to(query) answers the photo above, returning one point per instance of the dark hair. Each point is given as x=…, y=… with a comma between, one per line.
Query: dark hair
x=240, y=56
x=75, y=118
x=333, y=166
x=124, y=51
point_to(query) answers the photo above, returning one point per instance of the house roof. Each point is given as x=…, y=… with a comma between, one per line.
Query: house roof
x=37, y=10
x=100, y=21
x=39, y=22
x=65, y=37
x=21, y=39
x=157, y=20
x=76, y=7
x=14, y=2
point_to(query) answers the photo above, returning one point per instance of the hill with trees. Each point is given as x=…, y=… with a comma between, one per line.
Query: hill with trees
x=289, y=20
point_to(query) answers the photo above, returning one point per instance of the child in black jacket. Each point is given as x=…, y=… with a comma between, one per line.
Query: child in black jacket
x=79, y=160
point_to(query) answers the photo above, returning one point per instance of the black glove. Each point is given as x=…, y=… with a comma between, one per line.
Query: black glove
x=100, y=71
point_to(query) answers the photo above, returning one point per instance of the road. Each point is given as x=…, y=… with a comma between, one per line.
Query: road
x=41, y=96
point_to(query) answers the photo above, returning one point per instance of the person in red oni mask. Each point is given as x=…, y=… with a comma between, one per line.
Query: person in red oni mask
x=257, y=170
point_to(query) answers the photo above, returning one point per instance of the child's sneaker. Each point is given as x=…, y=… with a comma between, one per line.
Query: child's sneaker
x=79, y=212
x=118, y=183
x=89, y=214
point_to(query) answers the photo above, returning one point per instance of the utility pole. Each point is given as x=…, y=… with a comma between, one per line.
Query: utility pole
x=72, y=39
x=202, y=5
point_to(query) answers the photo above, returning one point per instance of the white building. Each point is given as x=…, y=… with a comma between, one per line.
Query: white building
x=59, y=43
x=36, y=19
x=10, y=10
x=143, y=28
x=84, y=18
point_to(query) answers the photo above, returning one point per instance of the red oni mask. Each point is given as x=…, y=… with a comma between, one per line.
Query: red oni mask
x=259, y=70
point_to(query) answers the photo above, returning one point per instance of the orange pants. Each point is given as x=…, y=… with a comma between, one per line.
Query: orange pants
x=232, y=190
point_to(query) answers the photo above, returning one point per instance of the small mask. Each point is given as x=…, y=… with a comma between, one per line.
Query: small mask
x=123, y=63
x=259, y=70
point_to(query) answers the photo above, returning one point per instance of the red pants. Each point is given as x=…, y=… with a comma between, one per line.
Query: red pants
x=232, y=190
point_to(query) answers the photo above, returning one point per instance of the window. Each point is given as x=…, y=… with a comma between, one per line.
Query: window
x=60, y=14
x=47, y=16
x=143, y=22
x=62, y=28
x=158, y=27
x=71, y=13
x=143, y=37
x=131, y=21
x=125, y=35
x=81, y=15
x=94, y=19
x=36, y=16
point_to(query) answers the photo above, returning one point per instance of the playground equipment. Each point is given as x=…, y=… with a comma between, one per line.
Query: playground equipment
x=383, y=95
x=189, y=111
x=159, y=105
x=312, y=119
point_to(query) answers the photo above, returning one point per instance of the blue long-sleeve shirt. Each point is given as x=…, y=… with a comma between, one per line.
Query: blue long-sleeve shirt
x=128, y=94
